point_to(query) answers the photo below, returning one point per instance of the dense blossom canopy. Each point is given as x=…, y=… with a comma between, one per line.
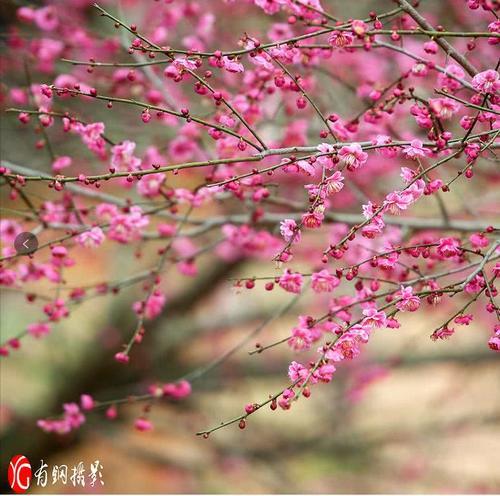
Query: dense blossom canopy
x=329, y=149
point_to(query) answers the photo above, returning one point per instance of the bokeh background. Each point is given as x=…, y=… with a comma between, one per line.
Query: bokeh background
x=409, y=416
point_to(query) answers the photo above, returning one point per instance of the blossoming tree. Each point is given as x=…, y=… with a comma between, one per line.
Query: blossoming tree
x=263, y=161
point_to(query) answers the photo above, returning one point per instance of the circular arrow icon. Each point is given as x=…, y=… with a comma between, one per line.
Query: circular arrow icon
x=26, y=243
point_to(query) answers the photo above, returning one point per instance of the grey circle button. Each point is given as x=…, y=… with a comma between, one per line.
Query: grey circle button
x=26, y=243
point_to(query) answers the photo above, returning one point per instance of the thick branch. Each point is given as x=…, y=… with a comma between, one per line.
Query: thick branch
x=444, y=44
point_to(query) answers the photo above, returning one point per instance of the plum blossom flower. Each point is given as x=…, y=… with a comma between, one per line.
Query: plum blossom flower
x=9, y=229
x=494, y=27
x=324, y=282
x=153, y=306
x=285, y=401
x=232, y=65
x=59, y=251
x=91, y=135
x=353, y=156
x=26, y=14
x=279, y=31
x=360, y=331
x=67, y=81
x=376, y=224
x=91, y=238
x=7, y=277
x=87, y=402
x=449, y=247
x=451, y=76
x=359, y=27
x=34, y=272
x=420, y=69
x=297, y=372
x=374, y=318
x=262, y=60
x=45, y=52
x=316, y=191
x=472, y=151
x=416, y=190
x=46, y=18
x=241, y=108
x=325, y=372
x=324, y=158
x=422, y=116
x=270, y=6
x=464, y=319
x=486, y=81
x=122, y=357
x=444, y=108
x=301, y=339
x=187, y=268
x=475, y=285
x=334, y=183
x=300, y=8
x=122, y=156
x=314, y=219
x=479, y=240
x=56, y=310
x=340, y=39
x=38, y=329
x=494, y=341
x=127, y=227
x=431, y=47
x=435, y=185
x=442, y=333
x=496, y=269
x=325, y=148
x=289, y=230
x=398, y=201
x=177, y=390
x=332, y=354
x=389, y=261
x=150, y=185
x=61, y=163
x=347, y=347
x=416, y=150
x=285, y=54
x=178, y=66
x=382, y=141
x=291, y=281
x=72, y=419
x=143, y=424
x=106, y=211
x=393, y=323
x=306, y=166
x=407, y=174
x=182, y=148
x=245, y=241
x=407, y=302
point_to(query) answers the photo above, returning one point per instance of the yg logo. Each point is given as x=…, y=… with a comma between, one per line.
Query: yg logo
x=19, y=474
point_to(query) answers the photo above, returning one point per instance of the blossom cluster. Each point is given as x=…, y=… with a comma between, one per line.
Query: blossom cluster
x=325, y=150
